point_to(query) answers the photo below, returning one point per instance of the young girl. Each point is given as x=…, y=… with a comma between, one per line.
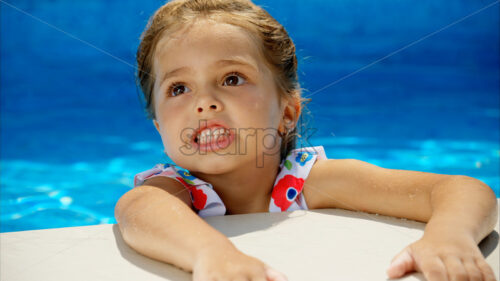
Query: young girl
x=219, y=78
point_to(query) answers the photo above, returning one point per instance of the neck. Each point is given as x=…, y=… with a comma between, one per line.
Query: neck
x=248, y=188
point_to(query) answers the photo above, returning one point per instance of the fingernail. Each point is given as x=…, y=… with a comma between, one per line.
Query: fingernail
x=393, y=271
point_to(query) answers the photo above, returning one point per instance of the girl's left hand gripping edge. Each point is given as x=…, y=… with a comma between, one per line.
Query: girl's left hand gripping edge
x=443, y=258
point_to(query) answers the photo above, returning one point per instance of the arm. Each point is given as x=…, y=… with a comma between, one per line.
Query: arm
x=462, y=204
x=157, y=220
x=162, y=226
x=459, y=210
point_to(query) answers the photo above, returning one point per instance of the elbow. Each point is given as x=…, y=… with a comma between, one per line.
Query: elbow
x=470, y=181
x=491, y=203
x=124, y=214
x=483, y=189
x=125, y=205
x=489, y=199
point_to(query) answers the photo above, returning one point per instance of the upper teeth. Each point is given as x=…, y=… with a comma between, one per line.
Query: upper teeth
x=209, y=133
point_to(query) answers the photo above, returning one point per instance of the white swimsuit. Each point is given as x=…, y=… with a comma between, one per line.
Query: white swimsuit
x=287, y=191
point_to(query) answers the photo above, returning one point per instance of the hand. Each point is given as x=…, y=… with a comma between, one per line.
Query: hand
x=228, y=263
x=441, y=259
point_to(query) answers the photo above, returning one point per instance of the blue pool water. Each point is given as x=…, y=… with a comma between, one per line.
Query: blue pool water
x=73, y=133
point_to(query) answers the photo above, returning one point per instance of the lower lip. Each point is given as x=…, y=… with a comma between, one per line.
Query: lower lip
x=219, y=144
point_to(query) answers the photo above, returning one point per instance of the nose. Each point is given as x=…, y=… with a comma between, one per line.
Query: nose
x=208, y=104
x=213, y=107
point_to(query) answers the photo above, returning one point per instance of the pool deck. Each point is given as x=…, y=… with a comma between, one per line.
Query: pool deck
x=327, y=244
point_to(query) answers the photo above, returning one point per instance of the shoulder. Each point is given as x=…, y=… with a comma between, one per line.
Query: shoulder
x=328, y=182
x=173, y=187
x=164, y=170
x=301, y=160
x=165, y=177
x=167, y=171
x=305, y=153
x=314, y=182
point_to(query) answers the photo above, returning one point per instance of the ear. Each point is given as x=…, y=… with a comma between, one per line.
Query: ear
x=290, y=112
x=157, y=126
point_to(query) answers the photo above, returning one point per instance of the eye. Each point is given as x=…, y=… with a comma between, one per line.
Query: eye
x=176, y=89
x=234, y=79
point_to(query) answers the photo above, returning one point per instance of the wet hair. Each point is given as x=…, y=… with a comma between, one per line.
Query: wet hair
x=274, y=44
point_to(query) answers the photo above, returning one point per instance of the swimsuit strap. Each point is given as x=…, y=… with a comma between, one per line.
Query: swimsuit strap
x=205, y=199
x=287, y=191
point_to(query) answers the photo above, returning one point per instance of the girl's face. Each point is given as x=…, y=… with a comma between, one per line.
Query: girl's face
x=212, y=71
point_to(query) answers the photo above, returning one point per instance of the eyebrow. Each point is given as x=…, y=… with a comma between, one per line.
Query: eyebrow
x=219, y=63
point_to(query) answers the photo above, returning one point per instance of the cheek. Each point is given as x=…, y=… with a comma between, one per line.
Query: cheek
x=251, y=112
x=263, y=104
x=269, y=111
x=168, y=118
x=171, y=109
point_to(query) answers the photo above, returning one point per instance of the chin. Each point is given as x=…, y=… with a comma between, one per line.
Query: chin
x=207, y=164
x=214, y=164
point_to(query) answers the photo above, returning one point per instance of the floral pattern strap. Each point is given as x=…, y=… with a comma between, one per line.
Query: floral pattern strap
x=286, y=195
x=287, y=192
x=204, y=198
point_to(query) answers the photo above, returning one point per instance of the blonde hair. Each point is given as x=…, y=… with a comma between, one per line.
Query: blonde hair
x=276, y=46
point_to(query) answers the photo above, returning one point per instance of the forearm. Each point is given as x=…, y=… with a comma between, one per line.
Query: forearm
x=462, y=206
x=161, y=226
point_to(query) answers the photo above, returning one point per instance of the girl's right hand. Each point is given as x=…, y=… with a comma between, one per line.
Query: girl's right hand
x=229, y=264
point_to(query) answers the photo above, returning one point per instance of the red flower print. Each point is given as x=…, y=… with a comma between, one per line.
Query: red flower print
x=286, y=191
x=198, y=197
x=187, y=185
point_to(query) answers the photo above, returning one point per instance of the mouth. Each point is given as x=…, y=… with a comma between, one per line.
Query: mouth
x=212, y=135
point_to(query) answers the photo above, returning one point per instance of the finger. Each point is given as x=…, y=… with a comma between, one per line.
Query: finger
x=434, y=269
x=455, y=268
x=473, y=270
x=260, y=276
x=401, y=264
x=259, y=279
x=273, y=275
x=485, y=269
x=198, y=277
